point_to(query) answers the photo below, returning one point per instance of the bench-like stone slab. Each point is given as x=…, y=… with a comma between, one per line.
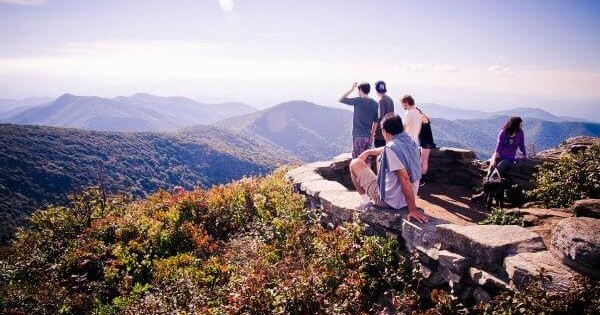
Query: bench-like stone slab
x=420, y=234
x=488, y=244
x=522, y=267
x=387, y=218
x=340, y=204
x=306, y=175
x=315, y=187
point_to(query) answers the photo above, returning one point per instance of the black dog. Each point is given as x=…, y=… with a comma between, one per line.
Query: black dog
x=494, y=189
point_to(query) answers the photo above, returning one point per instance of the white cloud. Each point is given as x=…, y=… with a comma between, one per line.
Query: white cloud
x=24, y=2
x=232, y=71
x=226, y=5
x=422, y=67
x=502, y=70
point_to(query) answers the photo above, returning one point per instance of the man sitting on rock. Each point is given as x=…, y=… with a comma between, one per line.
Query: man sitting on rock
x=397, y=183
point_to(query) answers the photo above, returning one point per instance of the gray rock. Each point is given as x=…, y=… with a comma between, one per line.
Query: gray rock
x=340, y=204
x=341, y=161
x=488, y=244
x=571, y=145
x=454, y=262
x=587, y=208
x=524, y=267
x=577, y=242
x=314, y=187
x=300, y=175
x=427, y=256
x=487, y=280
x=420, y=234
x=449, y=275
x=391, y=219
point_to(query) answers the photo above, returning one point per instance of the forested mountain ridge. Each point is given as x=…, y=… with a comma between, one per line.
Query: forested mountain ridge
x=138, y=112
x=41, y=165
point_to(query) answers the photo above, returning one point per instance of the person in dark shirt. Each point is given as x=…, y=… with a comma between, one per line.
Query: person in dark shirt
x=386, y=106
x=365, y=117
x=426, y=143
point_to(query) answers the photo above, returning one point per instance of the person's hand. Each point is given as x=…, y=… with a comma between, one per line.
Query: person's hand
x=354, y=85
x=363, y=156
x=417, y=215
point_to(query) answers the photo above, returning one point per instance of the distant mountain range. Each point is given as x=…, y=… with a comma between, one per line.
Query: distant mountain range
x=309, y=131
x=452, y=113
x=312, y=132
x=139, y=112
x=10, y=108
x=41, y=165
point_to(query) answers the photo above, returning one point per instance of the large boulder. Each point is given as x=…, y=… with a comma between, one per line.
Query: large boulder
x=488, y=245
x=571, y=145
x=525, y=267
x=587, y=208
x=577, y=242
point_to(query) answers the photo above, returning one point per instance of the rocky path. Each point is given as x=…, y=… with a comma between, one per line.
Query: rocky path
x=450, y=203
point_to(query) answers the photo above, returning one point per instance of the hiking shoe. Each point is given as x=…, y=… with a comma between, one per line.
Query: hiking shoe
x=363, y=206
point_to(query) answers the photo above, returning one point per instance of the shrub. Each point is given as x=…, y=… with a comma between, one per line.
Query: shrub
x=500, y=217
x=573, y=177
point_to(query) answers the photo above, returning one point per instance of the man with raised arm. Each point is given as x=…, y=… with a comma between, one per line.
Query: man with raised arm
x=397, y=183
x=365, y=117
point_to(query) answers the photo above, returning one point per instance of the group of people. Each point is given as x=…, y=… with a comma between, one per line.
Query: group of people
x=403, y=145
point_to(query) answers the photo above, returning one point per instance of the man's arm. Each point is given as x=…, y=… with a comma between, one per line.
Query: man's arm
x=371, y=152
x=409, y=195
x=373, y=130
x=341, y=100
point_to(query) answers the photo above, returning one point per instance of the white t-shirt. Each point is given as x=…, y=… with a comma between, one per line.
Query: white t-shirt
x=412, y=123
x=393, y=190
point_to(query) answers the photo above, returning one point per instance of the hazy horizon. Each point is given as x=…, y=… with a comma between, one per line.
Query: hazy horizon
x=472, y=55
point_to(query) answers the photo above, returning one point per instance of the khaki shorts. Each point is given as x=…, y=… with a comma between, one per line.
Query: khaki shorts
x=368, y=181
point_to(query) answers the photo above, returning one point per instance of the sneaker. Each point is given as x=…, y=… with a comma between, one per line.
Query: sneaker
x=363, y=206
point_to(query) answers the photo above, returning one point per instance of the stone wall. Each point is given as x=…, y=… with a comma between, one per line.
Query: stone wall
x=474, y=261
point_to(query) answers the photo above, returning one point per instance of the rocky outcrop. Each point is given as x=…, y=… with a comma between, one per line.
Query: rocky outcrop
x=587, y=208
x=488, y=245
x=475, y=261
x=571, y=145
x=525, y=267
x=577, y=242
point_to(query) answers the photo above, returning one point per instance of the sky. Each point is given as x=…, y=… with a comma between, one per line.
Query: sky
x=488, y=55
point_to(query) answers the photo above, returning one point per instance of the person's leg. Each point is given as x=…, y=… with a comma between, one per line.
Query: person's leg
x=425, y=160
x=355, y=147
x=503, y=167
x=356, y=167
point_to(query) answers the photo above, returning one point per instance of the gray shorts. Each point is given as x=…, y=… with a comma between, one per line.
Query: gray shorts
x=368, y=181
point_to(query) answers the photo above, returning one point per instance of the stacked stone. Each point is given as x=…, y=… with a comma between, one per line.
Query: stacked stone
x=455, y=167
x=475, y=261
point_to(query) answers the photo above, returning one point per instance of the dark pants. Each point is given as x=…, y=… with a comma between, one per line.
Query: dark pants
x=503, y=166
x=379, y=143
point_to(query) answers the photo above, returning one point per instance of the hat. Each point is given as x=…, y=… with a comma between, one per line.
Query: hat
x=380, y=87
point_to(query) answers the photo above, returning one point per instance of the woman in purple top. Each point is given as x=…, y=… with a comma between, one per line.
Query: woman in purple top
x=510, y=138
